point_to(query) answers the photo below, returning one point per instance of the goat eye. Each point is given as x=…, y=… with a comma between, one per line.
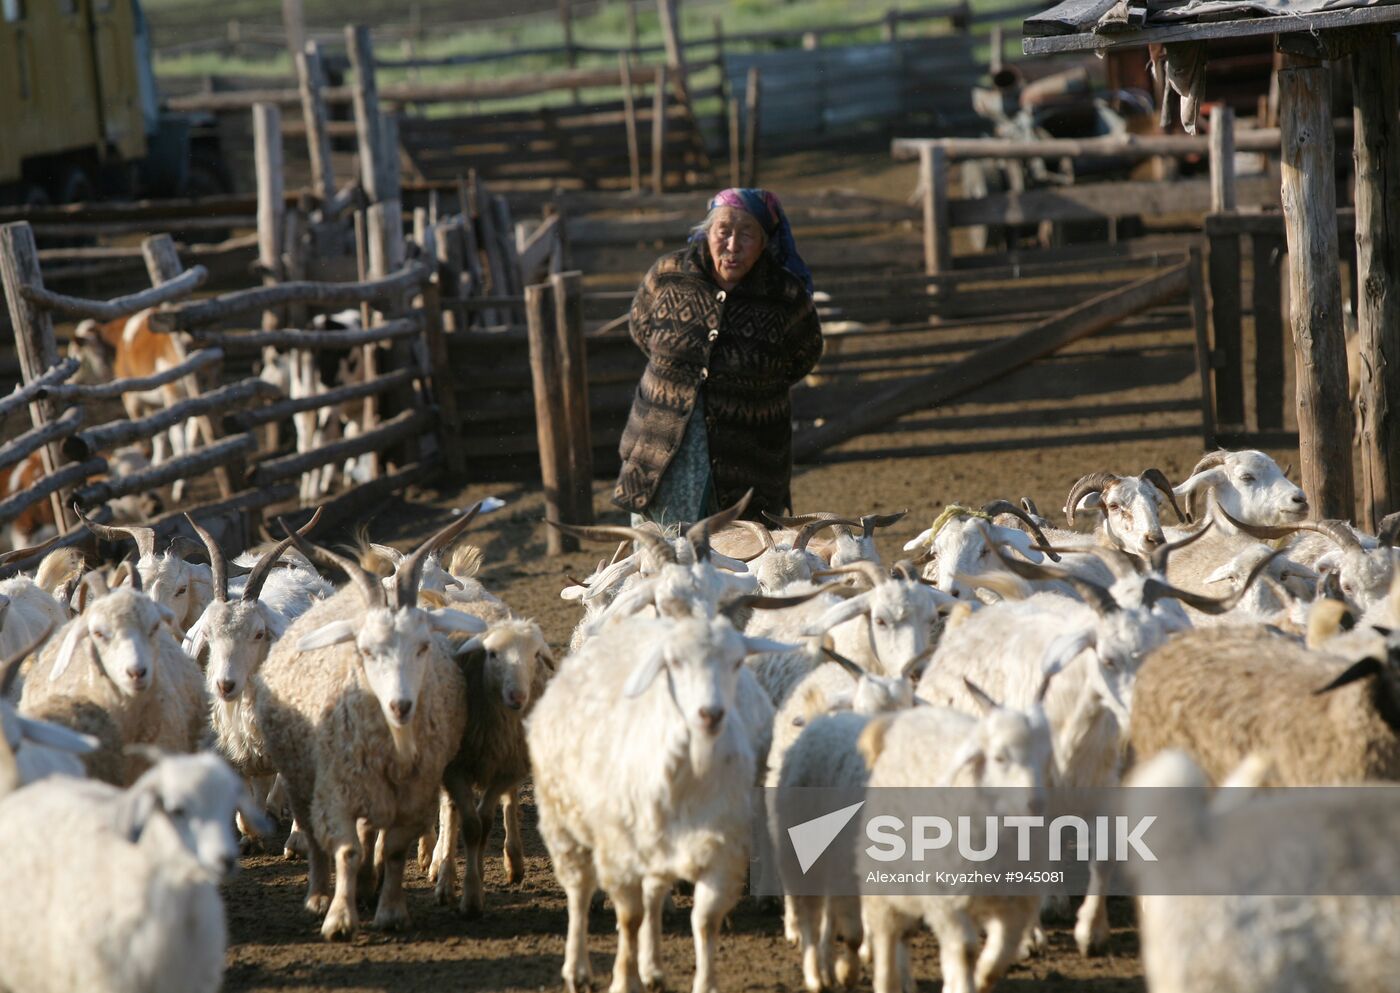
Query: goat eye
x=177, y=811
x=258, y=636
x=1246, y=478
x=423, y=648
x=182, y=591
x=100, y=635
x=1114, y=506
x=881, y=622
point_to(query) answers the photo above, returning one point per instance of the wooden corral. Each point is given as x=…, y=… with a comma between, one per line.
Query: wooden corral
x=1309, y=45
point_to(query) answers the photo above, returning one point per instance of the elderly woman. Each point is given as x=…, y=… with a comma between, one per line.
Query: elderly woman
x=728, y=326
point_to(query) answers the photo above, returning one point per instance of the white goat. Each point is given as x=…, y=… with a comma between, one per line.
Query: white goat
x=1130, y=505
x=185, y=588
x=361, y=707
x=38, y=748
x=116, y=672
x=934, y=746
x=643, y=772
x=133, y=906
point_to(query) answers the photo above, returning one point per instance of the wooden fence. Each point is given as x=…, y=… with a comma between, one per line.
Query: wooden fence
x=250, y=478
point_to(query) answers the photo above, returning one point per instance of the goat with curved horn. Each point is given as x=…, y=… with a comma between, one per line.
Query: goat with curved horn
x=1159, y=479
x=1162, y=554
x=369, y=587
x=410, y=574
x=869, y=522
x=218, y=565
x=855, y=671
x=760, y=532
x=698, y=534
x=144, y=537
x=1091, y=592
x=996, y=507
x=809, y=530
x=1094, y=482
x=257, y=576
x=1338, y=531
x=612, y=532
x=1154, y=590
x=869, y=571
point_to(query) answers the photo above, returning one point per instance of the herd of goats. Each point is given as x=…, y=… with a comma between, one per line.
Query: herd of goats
x=155, y=714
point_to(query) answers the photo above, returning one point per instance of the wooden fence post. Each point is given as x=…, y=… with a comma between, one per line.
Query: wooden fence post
x=1375, y=77
x=1310, y=220
x=311, y=79
x=1200, y=323
x=267, y=156
x=367, y=119
x=1269, y=367
x=675, y=50
x=629, y=116
x=1227, y=339
x=933, y=181
x=34, y=343
x=994, y=61
x=658, y=132
x=735, y=146
x=294, y=23
x=752, y=96
x=444, y=280
x=573, y=388
x=1222, y=159
x=550, y=425
x=566, y=19
x=632, y=27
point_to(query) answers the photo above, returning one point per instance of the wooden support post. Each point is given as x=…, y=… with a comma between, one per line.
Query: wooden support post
x=752, y=107
x=550, y=424
x=566, y=20
x=811, y=41
x=389, y=167
x=994, y=60
x=1226, y=335
x=632, y=27
x=735, y=145
x=294, y=23
x=1222, y=159
x=573, y=387
x=272, y=203
x=311, y=79
x=366, y=102
x=163, y=265
x=1200, y=323
x=892, y=25
x=1375, y=79
x=933, y=183
x=1310, y=219
x=669, y=12
x=658, y=132
x=1268, y=332
x=34, y=343
x=449, y=425
x=629, y=116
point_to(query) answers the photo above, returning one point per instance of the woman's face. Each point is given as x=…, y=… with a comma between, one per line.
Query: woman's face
x=736, y=241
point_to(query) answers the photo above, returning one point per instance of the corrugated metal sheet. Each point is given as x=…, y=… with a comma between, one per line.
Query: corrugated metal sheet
x=828, y=91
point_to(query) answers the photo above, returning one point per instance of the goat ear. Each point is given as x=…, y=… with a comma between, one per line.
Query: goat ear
x=838, y=614
x=1063, y=649
x=121, y=575
x=924, y=537
x=166, y=614
x=1222, y=573
x=77, y=631
x=969, y=756
x=469, y=646
x=194, y=641
x=547, y=657
x=56, y=736
x=645, y=673
x=449, y=621
x=1091, y=501
x=326, y=635
x=758, y=646
x=275, y=621
x=137, y=806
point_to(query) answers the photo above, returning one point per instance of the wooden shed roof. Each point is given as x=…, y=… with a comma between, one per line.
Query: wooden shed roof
x=1087, y=25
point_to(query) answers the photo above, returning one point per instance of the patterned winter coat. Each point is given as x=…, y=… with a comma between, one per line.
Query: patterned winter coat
x=746, y=348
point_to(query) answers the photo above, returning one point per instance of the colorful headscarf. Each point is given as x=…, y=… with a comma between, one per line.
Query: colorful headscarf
x=767, y=209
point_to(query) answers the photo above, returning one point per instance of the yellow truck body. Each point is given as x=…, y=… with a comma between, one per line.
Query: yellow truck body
x=69, y=85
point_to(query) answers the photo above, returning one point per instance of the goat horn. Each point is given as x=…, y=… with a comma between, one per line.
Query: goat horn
x=145, y=538
x=1028, y=505
x=369, y=587
x=1209, y=461
x=797, y=520
x=608, y=532
x=1158, y=479
x=869, y=522
x=1007, y=507
x=1160, y=555
x=9, y=666
x=1338, y=531
x=809, y=530
x=759, y=531
x=698, y=534
x=24, y=553
x=133, y=572
x=757, y=601
x=410, y=572
x=263, y=568
x=1154, y=590
x=869, y=570
x=851, y=667
x=1094, y=482
x=905, y=570
x=218, y=565
x=1092, y=593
